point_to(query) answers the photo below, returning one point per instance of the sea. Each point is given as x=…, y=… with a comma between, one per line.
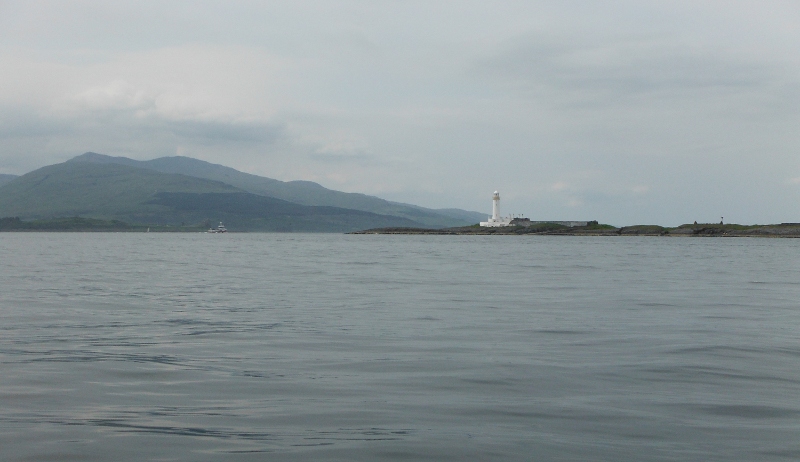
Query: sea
x=323, y=347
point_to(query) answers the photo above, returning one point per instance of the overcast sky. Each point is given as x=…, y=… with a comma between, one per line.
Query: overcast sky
x=626, y=112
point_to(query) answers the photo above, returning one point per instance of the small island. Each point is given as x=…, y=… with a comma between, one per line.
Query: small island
x=593, y=228
x=518, y=225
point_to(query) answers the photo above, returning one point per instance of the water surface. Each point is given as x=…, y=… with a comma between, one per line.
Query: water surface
x=334, y=347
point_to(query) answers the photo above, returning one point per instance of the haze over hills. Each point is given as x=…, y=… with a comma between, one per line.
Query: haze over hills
x=121, y=190
x=4, y=178
x=300, y=192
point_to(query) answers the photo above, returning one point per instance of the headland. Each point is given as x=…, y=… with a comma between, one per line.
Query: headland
x=594, y=228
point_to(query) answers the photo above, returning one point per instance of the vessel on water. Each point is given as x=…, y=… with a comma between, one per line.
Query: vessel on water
x=219, y=229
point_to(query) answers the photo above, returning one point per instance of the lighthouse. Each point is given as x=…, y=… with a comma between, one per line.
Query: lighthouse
x=496, y=220
x=496, y=206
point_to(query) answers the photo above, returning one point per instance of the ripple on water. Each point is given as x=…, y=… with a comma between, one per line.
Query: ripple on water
x=317, y=347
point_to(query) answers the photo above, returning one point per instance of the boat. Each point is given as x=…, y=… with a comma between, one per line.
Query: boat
x=219, y=229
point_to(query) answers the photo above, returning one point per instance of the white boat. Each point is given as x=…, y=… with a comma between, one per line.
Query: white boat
x=219, y=229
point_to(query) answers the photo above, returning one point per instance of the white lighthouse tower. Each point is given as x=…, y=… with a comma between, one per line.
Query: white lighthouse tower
x=496, y=206
x=495, y=220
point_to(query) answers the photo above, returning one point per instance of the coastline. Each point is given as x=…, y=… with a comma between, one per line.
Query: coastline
x=82, y=225
x=784, y=230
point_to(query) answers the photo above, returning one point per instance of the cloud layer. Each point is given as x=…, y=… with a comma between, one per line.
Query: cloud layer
x=624, y=112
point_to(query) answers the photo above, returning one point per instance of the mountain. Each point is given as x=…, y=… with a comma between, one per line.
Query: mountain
x=4, y=178
x=251, y=212
x=93, y=190
x=300, y=192
x=137, y=195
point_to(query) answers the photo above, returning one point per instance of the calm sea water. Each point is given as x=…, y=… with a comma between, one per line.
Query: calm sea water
x=241, y=347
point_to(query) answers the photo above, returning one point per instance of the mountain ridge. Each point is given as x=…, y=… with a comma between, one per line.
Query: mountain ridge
x=299, y=191
x=135, y=195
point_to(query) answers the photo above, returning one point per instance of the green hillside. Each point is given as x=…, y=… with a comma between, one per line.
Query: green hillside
x=301, y=192
x=251, y=212
x=111, y=191
x=93, y=190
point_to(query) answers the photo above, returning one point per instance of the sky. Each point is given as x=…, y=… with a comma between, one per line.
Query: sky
x=625, y=112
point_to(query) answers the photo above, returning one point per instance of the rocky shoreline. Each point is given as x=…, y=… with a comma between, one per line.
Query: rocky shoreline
x=548, y=229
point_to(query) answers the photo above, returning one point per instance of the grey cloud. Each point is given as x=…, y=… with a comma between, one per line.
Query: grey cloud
x=358, y=157
x=145, y=121
x=24, y=123
x=610, y=69
x=30, y=139
x=221, y=132
x=205, y=132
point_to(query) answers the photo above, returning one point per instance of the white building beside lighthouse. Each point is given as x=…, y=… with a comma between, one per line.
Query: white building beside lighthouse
x=495, y=220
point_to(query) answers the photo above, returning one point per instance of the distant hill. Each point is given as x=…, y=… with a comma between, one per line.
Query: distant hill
x=300, y=192
x=93, y=190
x=4, y=178
x=113, y=191
x=251, y=212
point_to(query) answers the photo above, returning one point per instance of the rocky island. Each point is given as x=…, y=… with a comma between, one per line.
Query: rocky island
x=593, y=228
